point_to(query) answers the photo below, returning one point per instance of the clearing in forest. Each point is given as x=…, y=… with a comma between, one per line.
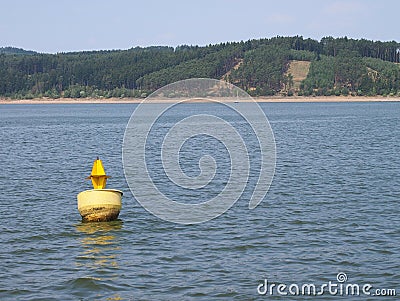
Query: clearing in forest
x=299, y=71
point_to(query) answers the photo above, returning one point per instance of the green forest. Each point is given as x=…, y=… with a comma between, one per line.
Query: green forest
x=262, y=67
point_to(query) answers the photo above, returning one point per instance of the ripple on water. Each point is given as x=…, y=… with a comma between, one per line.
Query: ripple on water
x=332, y=207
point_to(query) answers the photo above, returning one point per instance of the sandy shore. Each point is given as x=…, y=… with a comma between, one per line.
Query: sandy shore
x=228, y=100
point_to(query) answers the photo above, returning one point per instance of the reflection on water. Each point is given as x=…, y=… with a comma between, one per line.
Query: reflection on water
x=93, y=227
x=100, y=246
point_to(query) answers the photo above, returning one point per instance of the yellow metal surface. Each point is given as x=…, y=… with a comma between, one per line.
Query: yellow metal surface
x=99, y=204
x=98, y=175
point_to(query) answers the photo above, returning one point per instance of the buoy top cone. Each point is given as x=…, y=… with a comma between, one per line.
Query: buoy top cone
x=98, y=175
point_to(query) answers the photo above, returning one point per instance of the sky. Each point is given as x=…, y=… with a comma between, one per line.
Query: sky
x=52, y=26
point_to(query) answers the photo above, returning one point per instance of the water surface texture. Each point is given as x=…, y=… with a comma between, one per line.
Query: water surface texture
x=333, y=207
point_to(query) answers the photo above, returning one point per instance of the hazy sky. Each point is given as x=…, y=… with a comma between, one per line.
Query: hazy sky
x=60, y=26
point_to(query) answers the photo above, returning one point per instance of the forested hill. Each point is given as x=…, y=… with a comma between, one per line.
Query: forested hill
x=14, y=50
x=275, y=66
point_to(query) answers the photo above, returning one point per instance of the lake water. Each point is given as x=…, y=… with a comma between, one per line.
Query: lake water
x=333, y=207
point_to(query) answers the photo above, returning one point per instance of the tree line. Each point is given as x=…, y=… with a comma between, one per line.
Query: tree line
x=339, y=66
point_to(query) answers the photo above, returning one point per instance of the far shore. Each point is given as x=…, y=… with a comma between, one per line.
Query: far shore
x=275, y=99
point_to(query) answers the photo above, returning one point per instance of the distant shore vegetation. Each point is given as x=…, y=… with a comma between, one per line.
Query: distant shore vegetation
x=284, y=66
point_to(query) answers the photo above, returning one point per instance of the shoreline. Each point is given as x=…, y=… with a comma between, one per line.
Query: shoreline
x=292, y=99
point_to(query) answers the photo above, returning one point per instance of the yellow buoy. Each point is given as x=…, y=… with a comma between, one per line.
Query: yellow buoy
x=99, y=204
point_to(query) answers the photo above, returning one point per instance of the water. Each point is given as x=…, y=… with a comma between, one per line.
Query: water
x=333, y=207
